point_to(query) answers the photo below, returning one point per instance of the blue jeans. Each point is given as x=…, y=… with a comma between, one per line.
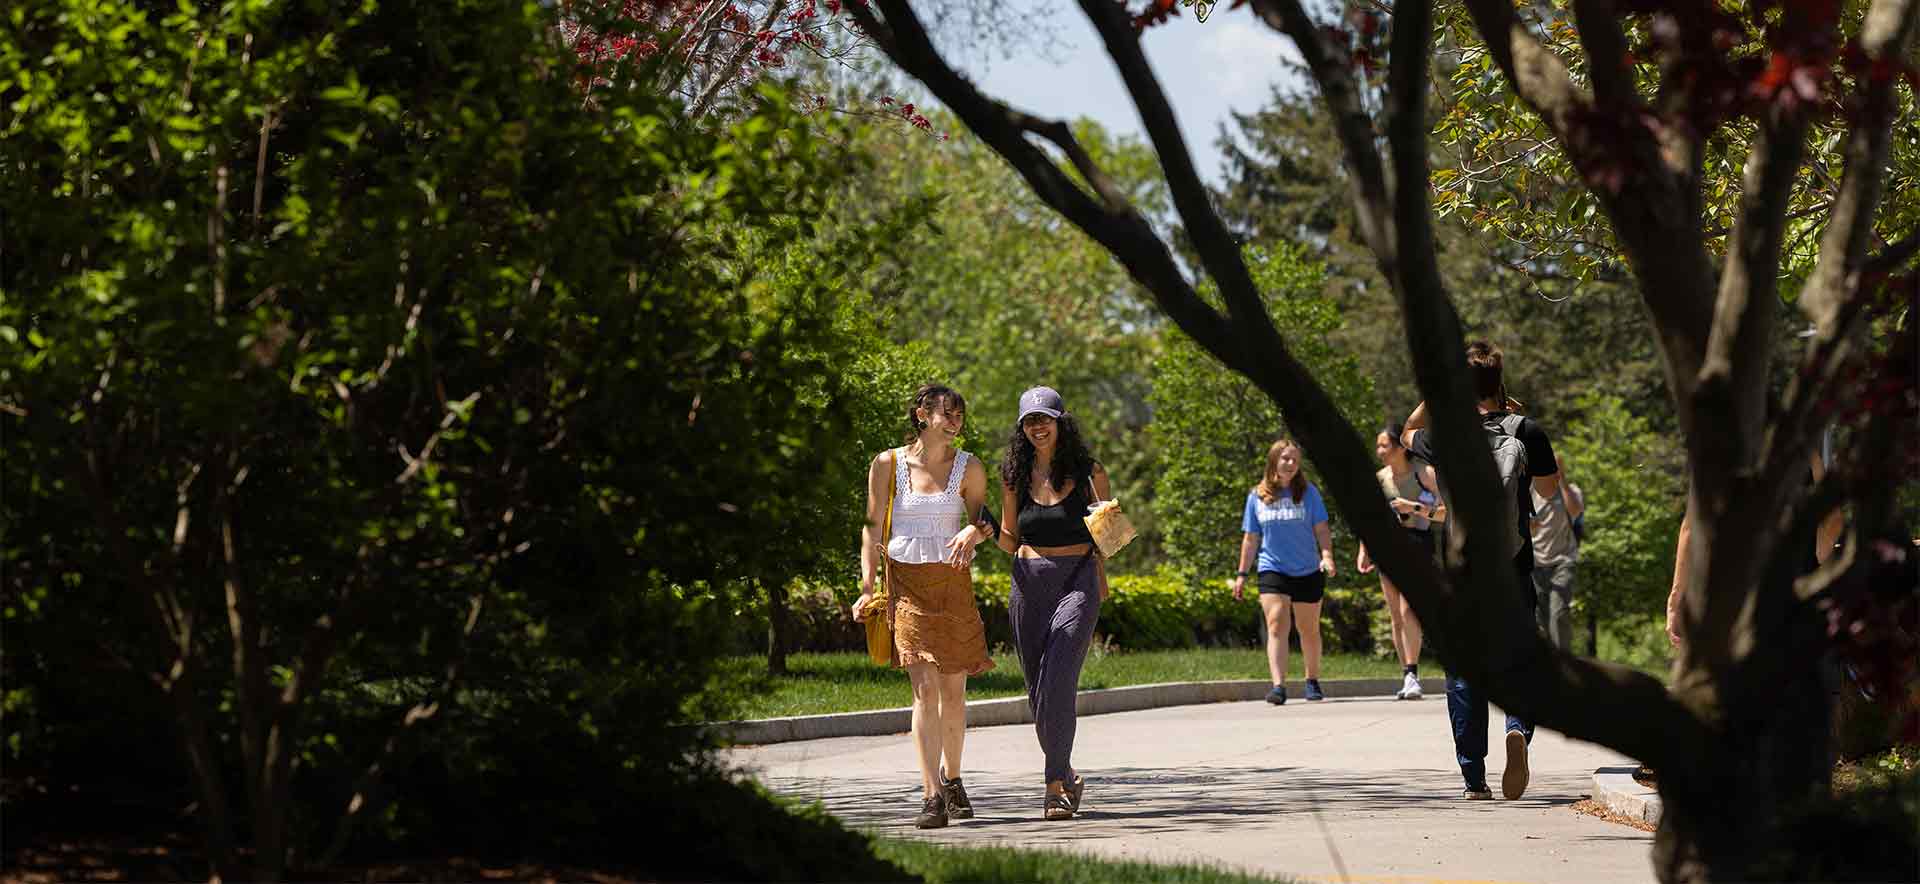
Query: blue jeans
x=1468, y=709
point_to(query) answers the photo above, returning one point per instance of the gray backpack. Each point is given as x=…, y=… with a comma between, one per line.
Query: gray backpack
x=1510, y=464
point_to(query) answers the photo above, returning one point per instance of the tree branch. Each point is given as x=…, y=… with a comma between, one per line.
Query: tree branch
x=731, y=67
x=1341, y=92
x=1124, y=232
x=1732, y=393
x=1884, y=39
x=1895, y=254
x=1644, y=179
x=1606, y=45
x=1834, y=296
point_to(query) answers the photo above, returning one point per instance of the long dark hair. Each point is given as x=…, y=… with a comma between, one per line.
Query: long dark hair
x=931, y=396
x=1071, y=459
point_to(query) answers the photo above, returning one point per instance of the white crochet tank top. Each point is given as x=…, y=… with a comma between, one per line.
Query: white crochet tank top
x=923, y=523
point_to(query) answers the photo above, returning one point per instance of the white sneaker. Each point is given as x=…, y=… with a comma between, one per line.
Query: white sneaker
x=1410, y=689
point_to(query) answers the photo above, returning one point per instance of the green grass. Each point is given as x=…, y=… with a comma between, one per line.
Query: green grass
x=821, y=683
x=938, y=865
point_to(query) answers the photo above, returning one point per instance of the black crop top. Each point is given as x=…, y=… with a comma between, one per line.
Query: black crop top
x=1061, y=524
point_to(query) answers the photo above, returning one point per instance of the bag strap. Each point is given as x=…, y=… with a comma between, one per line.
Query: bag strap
x=886, y=530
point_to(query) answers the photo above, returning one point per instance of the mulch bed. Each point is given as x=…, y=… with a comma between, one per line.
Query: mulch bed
x=1591, y=807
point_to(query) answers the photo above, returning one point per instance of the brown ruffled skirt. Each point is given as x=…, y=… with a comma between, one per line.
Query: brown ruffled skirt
x=935, y=619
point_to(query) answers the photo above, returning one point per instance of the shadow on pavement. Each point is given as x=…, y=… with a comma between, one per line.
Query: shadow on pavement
x=1146, y=801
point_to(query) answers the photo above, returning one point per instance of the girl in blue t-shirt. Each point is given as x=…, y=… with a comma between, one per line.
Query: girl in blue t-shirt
x=1286, y=522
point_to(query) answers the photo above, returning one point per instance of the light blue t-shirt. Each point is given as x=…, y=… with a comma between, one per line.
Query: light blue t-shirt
x=1285, y=527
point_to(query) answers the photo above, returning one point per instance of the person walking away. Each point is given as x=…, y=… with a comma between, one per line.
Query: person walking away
x=1049, y=480
x=1555, y=552
x=1530, y=466
x=1419, y=510
x=931, y=493
x=1285, y=522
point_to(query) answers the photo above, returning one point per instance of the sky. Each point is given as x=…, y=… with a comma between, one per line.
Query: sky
x=1230, y=61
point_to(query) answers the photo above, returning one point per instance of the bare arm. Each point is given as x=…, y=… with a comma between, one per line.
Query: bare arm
x=1547, y=486
x=1682, y=568
x=1828, y=532
x=879, y=474
x=1323, y=534
x=1415, y=421
x=1576, y=502
x=1249, y=544
x=1009, y=519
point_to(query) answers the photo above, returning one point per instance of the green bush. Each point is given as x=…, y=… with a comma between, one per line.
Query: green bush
x=1155, y=611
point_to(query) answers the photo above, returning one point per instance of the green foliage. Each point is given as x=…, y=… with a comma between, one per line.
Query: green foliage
x=1534, y=198
x=1213, y=427
x=1635, y=494
x=355, y=316
x=1006, y=295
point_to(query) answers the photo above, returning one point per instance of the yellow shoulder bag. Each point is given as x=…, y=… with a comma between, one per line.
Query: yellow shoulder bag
x=879, y=628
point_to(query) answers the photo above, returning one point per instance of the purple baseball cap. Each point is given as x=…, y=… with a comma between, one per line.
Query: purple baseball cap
x=1041, y=400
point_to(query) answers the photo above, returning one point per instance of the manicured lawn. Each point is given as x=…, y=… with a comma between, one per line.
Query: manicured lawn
x=819, y=683
x=939, y=865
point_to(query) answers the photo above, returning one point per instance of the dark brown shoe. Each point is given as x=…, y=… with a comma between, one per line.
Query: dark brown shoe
x=933, y=812
x=958, y=806
x=1074, y=790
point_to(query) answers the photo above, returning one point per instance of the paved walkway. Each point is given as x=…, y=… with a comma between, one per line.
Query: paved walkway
x=1363, y=788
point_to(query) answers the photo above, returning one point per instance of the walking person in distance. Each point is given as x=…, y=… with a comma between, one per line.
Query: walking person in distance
x=1284, y=524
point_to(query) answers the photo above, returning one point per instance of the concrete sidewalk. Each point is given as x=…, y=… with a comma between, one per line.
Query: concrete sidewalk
x=1365, y=789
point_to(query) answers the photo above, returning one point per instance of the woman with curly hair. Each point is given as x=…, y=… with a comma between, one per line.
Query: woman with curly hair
x=1048, y=482
x=937, y=493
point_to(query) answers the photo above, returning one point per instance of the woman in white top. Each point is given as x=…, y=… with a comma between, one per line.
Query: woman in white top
x=935, y=492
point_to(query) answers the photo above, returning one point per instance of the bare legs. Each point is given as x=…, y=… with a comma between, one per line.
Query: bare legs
x=1282, y=613
x=1406, y=629
x=939, y=721
x=1279, y=621
x=1306, y=617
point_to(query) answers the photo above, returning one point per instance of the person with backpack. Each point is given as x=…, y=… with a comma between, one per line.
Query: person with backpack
x=1523, y=458
x=1285, y=522
x=1048, y=482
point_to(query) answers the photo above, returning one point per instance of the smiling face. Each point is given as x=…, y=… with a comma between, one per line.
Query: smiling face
x=943, y=420
x=1042, y=431
x=1286, y=464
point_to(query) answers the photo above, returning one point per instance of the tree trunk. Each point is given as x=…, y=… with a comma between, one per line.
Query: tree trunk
x=1728, y=814
x=779, y=627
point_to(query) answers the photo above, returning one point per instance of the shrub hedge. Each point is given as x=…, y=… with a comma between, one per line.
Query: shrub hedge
x=1166, y=609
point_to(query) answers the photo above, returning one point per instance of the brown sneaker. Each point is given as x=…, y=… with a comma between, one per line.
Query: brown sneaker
x=1513, y=781
x=958, y=806
x=933, y=812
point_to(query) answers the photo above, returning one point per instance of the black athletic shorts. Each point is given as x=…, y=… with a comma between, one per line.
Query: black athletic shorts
x=1306, y=589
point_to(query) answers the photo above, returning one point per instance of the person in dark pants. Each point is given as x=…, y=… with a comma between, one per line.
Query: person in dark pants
x=1466, y=705
x=1048, y=482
